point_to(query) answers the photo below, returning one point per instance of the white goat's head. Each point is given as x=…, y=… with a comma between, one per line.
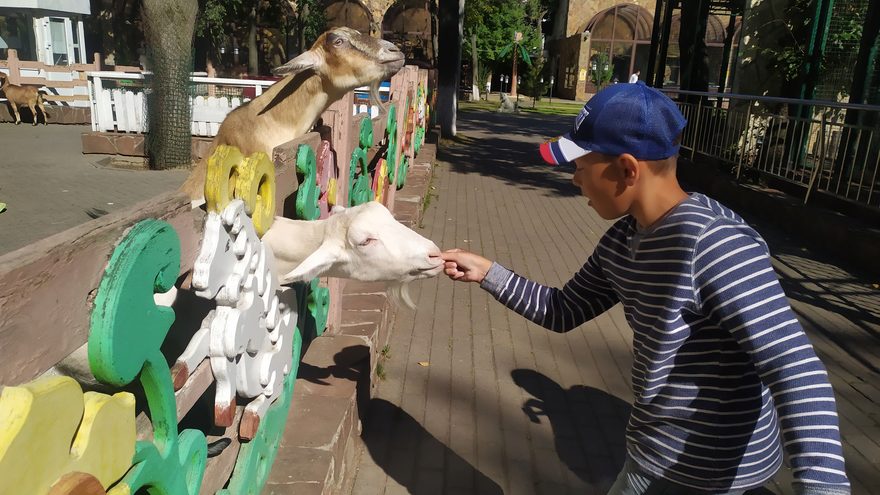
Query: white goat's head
x=364, y=242
x=346, y=58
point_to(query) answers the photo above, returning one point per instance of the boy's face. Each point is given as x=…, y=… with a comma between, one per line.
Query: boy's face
x=603, y=180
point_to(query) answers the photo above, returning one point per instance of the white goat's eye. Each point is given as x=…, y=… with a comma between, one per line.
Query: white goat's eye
x=367, y=241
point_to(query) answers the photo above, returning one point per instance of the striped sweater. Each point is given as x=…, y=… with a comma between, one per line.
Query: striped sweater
x=721, y=365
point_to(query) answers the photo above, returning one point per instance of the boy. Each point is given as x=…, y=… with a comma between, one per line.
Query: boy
x=721, y=364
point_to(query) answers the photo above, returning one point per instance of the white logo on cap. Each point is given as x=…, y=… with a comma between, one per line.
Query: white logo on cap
x=580, y=118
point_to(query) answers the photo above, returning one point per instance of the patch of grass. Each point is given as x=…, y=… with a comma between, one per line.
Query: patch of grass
x=380, y=370
x=386, y=352
x=482, y=105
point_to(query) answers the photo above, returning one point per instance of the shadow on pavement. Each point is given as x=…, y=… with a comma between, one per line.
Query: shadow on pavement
x=588, y=426
x=410, y=455
x=505, y=146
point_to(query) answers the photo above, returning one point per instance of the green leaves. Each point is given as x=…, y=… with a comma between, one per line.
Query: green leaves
x=525, y=55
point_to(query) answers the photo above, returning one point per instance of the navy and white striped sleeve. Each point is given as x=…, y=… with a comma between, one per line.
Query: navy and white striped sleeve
x=738, y=290
x=587, y=295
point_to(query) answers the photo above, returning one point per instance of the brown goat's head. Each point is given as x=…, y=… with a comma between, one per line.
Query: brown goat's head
x=347, y=59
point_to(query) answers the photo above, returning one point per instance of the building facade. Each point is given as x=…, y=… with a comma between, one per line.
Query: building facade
x=410, y=24
x=613, y=37
x=48, y=31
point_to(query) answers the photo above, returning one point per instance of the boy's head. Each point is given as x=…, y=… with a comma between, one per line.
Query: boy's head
x=624, y=144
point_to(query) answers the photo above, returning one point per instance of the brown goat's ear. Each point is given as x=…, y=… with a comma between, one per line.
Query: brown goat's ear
x=304, y=61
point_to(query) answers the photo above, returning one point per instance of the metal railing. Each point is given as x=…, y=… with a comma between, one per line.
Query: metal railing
x=827, y=147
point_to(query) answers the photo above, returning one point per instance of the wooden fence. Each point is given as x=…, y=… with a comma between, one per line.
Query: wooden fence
x=118, y=104
x=65, y=85
x=122, y=291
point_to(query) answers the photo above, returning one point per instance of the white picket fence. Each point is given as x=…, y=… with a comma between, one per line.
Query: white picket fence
x=116, y=108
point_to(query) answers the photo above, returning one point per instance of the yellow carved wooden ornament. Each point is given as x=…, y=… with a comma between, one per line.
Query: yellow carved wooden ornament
x=49, y=428
x=256, y=187
x=222, y=177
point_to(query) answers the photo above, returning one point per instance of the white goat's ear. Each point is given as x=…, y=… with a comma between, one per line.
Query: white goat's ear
x=304, y=61
x=337, y=209
x=315, y=264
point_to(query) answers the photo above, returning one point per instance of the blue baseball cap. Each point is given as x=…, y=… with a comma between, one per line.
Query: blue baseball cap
x=622, y=118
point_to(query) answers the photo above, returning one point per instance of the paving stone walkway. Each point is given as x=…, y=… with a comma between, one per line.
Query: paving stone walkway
x=476, y=400
x=49, y=186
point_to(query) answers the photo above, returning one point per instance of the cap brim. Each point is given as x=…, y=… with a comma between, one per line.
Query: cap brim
x=562, y=150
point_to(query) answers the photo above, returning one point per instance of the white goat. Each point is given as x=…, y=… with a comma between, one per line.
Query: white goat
x=364, y=243
x=340, y=60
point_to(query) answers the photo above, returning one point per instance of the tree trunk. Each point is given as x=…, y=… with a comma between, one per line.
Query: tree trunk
x=168, y=29
x=475, y=79
x=303, y=14
x=253, y=51
x=513, y=72
x=451, y=14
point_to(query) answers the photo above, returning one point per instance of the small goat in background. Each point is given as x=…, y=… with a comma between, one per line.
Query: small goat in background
x=20, y=96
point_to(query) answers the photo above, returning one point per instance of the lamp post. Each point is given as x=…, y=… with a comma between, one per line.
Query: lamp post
x=551, y=89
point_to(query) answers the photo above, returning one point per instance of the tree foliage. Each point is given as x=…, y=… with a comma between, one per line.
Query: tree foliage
x=601, y=71
x=785, y=42
x=496, y=22
x=225, y=23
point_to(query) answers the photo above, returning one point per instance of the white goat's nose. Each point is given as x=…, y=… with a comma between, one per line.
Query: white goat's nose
x=433, y=250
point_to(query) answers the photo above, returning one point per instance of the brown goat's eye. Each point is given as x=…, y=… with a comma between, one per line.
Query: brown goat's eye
x=338, y=42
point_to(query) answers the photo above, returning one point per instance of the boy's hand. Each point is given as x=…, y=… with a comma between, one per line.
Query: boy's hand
x=464, y=266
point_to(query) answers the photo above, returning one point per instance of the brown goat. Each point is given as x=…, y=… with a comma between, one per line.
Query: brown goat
x=20, y=96
x=339, y=61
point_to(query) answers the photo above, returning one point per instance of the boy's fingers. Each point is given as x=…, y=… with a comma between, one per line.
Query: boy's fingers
x=451, y=254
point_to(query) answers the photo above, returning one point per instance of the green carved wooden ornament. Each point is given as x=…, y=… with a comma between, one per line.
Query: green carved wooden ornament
x=127, y=331
x=309, y=191
x=391, y=131
x=402, y=171
x=317, y=306
x=417, y=145
x=359, y=179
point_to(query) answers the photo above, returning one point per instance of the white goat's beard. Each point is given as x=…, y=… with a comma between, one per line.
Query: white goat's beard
x=399, y=293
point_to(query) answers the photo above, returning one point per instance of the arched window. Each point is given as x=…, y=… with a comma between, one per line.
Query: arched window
x=622, y=36
x=716, y=32
x=350, y=13
x=408, y=24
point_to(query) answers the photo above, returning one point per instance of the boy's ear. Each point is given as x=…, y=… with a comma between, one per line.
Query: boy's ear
x=629, y=168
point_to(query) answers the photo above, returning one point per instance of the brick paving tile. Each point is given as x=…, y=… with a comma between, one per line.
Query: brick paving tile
x=504, y=406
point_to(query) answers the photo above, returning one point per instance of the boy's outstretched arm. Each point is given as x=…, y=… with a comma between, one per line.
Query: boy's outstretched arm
x=587, y=295
x=737, y=288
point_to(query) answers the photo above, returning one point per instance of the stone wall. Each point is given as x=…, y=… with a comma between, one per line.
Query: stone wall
x=571, y=63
